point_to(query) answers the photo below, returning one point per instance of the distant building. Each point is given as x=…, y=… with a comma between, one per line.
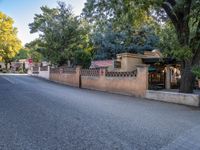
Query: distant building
x=2, y=66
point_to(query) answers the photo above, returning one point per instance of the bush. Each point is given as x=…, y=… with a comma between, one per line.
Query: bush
x=21, y=70
x=83, y=58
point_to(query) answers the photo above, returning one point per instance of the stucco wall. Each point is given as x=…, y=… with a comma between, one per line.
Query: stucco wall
x=2, y=65
x=66, y=78
x=126, y=85
x=44, y=74
x=129, y=62
x=172, y=97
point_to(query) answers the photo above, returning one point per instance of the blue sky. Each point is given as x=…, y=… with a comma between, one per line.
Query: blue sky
x=22, y=11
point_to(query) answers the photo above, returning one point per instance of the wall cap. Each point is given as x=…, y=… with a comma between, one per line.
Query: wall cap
x=142, y=66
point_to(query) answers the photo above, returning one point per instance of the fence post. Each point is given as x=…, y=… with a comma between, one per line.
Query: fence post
x=102, y=72
x=78, y=76
x=39, y=70
x=48, y=69
x=30, y=71
x=168, y=77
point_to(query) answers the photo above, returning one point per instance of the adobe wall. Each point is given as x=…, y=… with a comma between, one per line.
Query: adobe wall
x=66, y=78
x=136, y=86
x=129, y=61
x=174, y=97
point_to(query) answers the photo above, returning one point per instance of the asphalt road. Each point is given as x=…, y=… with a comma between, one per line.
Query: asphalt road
x=40, y=115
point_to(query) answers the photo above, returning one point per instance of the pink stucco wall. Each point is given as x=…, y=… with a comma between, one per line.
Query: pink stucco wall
x=136, y=86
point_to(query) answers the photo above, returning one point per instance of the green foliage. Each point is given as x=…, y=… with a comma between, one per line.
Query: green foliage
x=37, y=51
x=120, y=13
x=22, y=54
x=61, y=32
x=119, y=26
x=170, y=45
x=196, y=71
x=9, y=43
x=83, y=59
x=36, y=56
x=126, y=14
x=110, y=43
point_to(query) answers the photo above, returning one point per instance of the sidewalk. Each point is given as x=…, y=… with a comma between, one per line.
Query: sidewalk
x=12, y=74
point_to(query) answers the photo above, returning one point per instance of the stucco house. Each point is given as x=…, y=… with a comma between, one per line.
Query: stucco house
x=163, y=72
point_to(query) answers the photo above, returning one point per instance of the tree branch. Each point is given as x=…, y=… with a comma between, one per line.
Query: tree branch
x=172, y=2
x=168, y=7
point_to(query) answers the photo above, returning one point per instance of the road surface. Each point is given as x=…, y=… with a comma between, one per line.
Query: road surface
x=37, y=114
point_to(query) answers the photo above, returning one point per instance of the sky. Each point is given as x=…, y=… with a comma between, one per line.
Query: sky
x=22, y=11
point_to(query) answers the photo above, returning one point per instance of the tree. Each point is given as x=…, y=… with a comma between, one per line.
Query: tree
x=184, y=16
x=36, y=51
x=35, y=56
x=61, y=32
x=122, y=14
x=109, y=43
x=117, y=28
x=22, y=54
x=9, y=43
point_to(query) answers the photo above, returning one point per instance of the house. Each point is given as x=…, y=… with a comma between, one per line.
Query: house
x=163, y=72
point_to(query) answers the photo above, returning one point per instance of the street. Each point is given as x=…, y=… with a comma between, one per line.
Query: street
x=38, y=114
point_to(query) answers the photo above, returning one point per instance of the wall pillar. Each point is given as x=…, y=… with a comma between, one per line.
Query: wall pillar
x=167, y=77
x=142, y=78
x=102, y=73
x=48, y=73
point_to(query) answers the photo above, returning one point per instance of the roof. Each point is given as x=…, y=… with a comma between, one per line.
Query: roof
x=159, y=60
x=101, y=63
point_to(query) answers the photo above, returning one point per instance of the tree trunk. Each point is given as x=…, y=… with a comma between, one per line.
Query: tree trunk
x=180, y=17
x=10, y=65
x=6, y=65
x=187, y=78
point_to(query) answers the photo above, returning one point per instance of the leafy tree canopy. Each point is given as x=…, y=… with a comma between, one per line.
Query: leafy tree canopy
x=110, y=43
x=9, y=43
x=22, y=54
x=120, y=27
x=62, y=33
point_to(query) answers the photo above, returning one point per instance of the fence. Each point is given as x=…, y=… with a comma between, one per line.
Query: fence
x=44, y=68
x=90, y=72
x=131, y=83
x=35, y=70
x=69, y=76
x=63, y=70
x=43, y=72
x=121, y=74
